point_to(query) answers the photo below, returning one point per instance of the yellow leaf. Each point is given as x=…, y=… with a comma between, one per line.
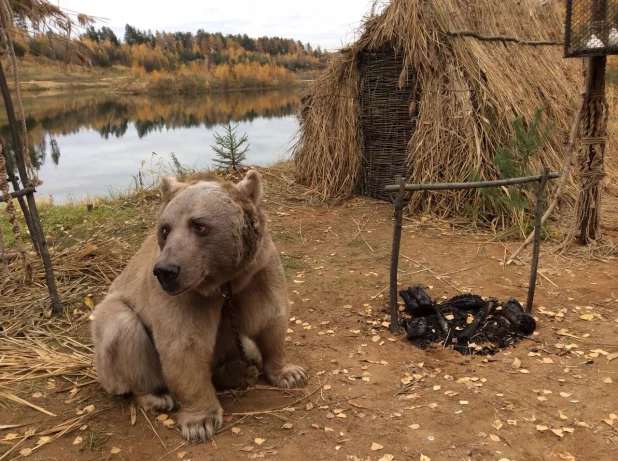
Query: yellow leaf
x=494, y=437
x=161, y=417
x=541, y=427
x=425, y=458
x=77, y=440
x=115, y=450
x=88, y=302
x=376, y=446
x=558, y=432
x=588, y=317
x=259, y=441
x=181, y=454
x=236, y=430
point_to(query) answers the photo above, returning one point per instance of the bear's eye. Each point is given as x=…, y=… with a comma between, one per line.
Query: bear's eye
x=199, y=227
x=165, y=230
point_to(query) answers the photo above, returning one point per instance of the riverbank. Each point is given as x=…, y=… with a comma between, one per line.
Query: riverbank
x=389, y=392
x=36, y=76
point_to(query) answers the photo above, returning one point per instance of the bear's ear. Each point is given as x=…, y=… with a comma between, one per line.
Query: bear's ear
x=170, y=187
x=251, y=186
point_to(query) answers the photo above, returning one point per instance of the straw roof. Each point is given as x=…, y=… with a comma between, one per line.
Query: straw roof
x=470, y=93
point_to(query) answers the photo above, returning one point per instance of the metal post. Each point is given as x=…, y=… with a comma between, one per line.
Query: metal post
x=537, y=238
x=395, y=253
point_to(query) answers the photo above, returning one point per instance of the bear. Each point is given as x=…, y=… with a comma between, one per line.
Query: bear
x=165, y=332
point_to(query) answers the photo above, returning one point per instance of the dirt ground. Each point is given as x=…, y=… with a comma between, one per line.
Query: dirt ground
x=373, y=395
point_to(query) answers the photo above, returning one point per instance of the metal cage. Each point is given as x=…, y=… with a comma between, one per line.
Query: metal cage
x=591, y=28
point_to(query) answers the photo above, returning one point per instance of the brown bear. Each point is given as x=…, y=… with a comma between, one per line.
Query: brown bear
x=164, y=331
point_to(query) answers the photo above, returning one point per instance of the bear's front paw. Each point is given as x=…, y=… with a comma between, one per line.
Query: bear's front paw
x=200, y=426
x=288, y=377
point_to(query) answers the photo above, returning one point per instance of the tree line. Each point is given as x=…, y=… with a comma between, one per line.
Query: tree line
x=169, y=51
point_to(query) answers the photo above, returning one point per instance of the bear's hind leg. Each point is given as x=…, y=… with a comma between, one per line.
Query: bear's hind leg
x=126, y=358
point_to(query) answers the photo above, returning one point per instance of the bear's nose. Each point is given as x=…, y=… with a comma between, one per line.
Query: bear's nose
x=166, y=273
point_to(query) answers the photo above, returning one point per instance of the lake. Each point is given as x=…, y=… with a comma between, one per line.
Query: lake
x=87, y=144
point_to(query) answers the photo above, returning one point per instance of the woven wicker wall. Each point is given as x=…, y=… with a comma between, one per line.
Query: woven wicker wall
x=386, y=122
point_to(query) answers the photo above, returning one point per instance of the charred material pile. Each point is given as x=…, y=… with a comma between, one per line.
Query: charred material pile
x=468, y=323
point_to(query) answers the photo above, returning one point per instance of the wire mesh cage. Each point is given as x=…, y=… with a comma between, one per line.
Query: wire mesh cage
x=591, y=28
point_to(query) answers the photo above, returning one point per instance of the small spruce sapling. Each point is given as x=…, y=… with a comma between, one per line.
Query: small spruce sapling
x=229, y=148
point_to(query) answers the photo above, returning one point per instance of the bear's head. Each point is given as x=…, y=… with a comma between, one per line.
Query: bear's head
x=208, y=231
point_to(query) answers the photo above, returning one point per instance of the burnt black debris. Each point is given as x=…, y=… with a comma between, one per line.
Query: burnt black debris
x=467, y=323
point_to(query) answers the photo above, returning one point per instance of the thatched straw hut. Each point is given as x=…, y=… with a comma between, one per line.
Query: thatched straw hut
x=413, y=97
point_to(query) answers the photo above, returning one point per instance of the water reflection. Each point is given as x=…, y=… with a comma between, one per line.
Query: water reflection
x=116, y=132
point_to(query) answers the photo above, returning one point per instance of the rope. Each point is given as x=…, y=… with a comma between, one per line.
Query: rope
x=590, y=169
x=16, y=228
x=6, y=25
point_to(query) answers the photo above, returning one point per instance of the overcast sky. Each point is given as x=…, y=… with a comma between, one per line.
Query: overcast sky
x=329, y=23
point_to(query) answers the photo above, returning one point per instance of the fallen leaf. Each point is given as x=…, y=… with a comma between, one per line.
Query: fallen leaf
x=259, y=441
x=161, y=417
x=88, y=302
x=77, y=440
x=43, y=440
x=497, y=424
x=169, y=422
x=588, y=317
x=247, y=448
x=328, y=429
x=558, y=432
x=524, y=371
x=570, y=430
x=547, y=360
x=494, y=437
x=354, y=403
x=376, y=446
x=565, y=395
x=115, y=450
x=433, y=405
x=414, y=426
x=613, y=356
x=425, y=458
x=25, y=451
x=11, y=436
x=516, y=363
x=563, y=416
x=327, y=387
x=541, y=428
x=181, y=454
x=567, y=456
x=607, y=381
x=387, y=458
x=236, y=430
x=463, y=402
x=287, y=426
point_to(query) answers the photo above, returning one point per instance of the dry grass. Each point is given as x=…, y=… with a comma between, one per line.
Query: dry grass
x=471, y=91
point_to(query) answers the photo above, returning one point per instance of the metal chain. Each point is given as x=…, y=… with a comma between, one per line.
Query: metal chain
x=229, y=308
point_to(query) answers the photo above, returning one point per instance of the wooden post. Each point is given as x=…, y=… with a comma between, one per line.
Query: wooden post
x=20, y=199
x=538, y=224
x=401, y=193
x=36, y=233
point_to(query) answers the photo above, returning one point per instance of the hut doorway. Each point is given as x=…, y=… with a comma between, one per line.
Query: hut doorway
x=386, y=122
